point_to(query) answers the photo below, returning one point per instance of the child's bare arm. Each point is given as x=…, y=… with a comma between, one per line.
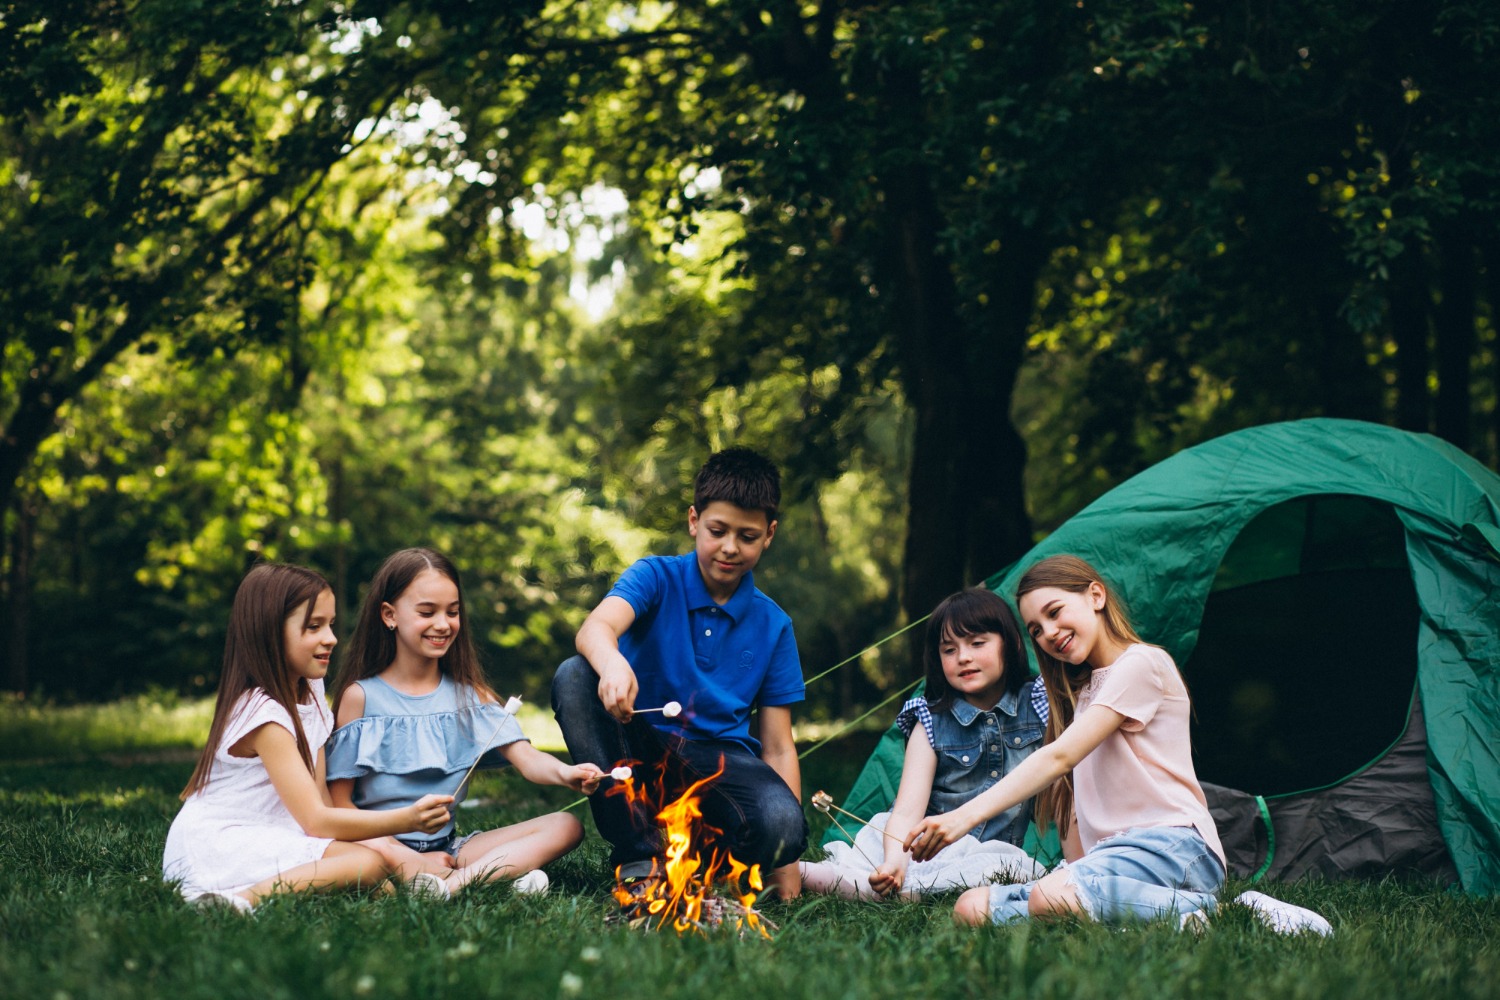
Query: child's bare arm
x=351, y=706
x=544, y=769
x=778, y=747
x=599, y=641
x=917, y=773
x=1036, y=772
x=298, y=789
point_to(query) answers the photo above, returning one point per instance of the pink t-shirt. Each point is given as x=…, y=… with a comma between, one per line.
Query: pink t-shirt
x=1142, y=774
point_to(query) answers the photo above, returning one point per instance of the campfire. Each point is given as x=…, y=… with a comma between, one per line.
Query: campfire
x=681, y=892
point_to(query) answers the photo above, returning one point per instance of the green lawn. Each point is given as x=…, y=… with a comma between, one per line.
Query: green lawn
x=84, y=913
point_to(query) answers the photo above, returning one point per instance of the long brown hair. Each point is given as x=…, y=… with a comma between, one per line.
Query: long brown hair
x=1063, y=681
x=372, y=648
x=255, y=653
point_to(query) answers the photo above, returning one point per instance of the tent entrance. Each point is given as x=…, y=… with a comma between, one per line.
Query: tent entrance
x=1308, y=737
x=1307, y=650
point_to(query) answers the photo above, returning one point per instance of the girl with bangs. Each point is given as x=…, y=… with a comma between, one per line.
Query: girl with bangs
x=980, y=716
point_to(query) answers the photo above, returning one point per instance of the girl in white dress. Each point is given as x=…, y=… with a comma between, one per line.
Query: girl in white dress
x=256, y=817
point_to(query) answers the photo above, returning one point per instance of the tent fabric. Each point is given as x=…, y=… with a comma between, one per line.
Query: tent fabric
x=1378, y=821
x=1161, y=536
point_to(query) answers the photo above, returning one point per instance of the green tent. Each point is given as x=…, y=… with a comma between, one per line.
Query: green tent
x=1329, y=588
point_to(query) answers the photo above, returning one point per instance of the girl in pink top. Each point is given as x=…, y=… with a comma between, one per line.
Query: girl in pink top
x=1115, y=775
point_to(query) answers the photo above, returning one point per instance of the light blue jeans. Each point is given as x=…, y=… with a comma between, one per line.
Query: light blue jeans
x=1159, y=871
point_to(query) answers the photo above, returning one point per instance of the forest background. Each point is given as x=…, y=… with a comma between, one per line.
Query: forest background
x=312, y=281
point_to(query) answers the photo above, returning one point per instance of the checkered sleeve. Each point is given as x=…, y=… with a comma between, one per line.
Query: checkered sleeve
x=911, y=713
x=1039, y=700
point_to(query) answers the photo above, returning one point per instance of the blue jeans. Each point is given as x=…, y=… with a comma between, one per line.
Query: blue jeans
x=761, y=820
x=1136, y=875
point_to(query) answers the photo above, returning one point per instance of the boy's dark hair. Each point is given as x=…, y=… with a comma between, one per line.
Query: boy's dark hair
x=970, y=612
x=739, y=476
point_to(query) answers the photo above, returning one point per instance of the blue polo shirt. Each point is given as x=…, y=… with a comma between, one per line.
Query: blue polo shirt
x=716, y=660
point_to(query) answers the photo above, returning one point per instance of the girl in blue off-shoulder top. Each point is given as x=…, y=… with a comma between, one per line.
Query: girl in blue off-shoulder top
x=413, y=712
x=980, y=716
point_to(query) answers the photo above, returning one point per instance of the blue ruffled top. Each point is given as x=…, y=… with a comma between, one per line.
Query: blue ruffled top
x=407, y=746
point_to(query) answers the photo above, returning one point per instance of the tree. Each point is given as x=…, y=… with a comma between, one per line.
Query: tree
x=1311, y=244
x=162, y=164
x=901, y=174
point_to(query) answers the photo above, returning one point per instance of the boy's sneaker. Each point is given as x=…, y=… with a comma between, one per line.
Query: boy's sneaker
x=426, y=885
x=1284, y=918
x=532, y=883
x=216, y=900
x=635, y=891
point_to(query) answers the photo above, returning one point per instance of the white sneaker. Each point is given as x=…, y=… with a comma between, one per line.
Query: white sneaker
x=214, y=900
x=533, y=883
x=1284, y=918
x=426, y=885
x=1194, y=922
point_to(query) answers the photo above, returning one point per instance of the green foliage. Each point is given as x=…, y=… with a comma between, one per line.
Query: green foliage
x=308, y=282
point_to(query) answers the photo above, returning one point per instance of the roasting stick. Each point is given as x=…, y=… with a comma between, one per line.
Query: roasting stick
x=670, y=710
x=823, y=802
x=512, y=706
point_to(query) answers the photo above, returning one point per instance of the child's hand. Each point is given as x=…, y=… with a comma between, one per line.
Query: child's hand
x=430, y=812
x=935, y=833
x=889, y=877
x=618, y=688
x=583, y=778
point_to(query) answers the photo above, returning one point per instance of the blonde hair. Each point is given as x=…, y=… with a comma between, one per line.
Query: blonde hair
x=1063, y=681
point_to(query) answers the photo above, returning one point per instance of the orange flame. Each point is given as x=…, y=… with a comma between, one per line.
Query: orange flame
x=680, y=893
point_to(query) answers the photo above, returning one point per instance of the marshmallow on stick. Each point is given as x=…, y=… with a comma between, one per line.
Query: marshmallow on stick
x=823, y=802
x=621, y=773
x=512, y=706
x=670, y=710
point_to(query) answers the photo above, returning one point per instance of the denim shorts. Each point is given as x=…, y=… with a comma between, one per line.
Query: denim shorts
x=450, y=844
x=1136, y=875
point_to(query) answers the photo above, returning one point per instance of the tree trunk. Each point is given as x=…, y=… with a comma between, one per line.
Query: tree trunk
x=18, y=597
x=1492, y=294
x=1456, y=340
x=1410, y=301
x=934, y=377
x=993, y=497
x=966, y=515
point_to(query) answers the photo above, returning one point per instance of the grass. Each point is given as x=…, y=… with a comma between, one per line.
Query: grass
x=84, y=913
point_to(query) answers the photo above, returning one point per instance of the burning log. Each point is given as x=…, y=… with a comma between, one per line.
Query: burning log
x=680, y=892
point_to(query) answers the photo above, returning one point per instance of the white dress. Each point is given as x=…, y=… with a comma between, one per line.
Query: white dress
x=965, y=863
x=235, y=830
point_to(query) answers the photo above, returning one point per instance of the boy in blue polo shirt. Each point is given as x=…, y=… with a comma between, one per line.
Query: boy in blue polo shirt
x=694, y=629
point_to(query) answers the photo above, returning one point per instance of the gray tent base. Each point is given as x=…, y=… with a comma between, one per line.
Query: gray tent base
x=1379, y=822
